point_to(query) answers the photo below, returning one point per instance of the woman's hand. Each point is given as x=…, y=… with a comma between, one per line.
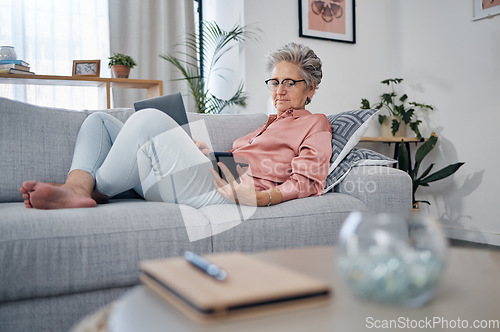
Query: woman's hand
x=203, y=147
x=240, y=193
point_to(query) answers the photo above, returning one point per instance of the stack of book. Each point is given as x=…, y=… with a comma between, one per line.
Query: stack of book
x=14, y=67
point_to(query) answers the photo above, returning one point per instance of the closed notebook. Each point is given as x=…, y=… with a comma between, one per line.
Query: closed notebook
x=252, y=287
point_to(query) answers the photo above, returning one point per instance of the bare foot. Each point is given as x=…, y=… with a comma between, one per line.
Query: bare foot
x=99, y=198
x=26, y=197
x=40, y=195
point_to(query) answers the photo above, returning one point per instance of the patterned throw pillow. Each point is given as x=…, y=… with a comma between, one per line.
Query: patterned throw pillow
x=355, y=157
x=347, y=129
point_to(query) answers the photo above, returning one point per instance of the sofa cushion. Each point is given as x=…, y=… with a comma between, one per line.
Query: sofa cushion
x=56, y=252
x=37, y=143
x=219, y=131
x=347, y=129
x=356, y=157
x=310, y=221
x=382, y=189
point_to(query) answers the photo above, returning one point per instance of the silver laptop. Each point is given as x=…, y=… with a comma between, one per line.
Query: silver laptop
x=170, y=104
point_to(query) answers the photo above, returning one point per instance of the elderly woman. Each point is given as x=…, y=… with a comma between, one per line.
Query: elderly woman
x=288, y=156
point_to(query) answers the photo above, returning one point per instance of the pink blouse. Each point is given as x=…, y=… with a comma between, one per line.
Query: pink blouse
x=291, y=152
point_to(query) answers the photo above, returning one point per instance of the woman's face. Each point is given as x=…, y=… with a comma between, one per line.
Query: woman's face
x=294, y=97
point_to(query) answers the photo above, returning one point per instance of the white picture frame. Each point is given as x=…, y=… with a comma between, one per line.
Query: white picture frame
x=339, y=25
x=480, y=12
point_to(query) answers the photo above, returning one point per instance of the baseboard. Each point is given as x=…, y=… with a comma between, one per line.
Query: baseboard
x=467, y=244
x=469, y=235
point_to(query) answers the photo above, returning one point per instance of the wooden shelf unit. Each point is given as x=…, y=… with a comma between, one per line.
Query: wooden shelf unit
x=397, y=141
x=392, y=139
x=154, y=87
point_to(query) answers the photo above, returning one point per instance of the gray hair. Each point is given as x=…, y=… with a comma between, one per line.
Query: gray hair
x=309, y=63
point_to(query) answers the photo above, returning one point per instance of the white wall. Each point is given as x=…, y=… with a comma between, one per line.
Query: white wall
x=446, y=59
x=454, y=64
x=350, y=71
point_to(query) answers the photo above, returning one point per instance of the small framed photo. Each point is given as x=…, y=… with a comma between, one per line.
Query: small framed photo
x=485, y=9
x=329, y=20
x=86, y=67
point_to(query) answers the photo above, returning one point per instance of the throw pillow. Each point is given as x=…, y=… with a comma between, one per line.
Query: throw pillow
x=355, y=157
x=347, y=129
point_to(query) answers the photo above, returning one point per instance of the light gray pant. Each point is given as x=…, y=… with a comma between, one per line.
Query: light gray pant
x=150, y=153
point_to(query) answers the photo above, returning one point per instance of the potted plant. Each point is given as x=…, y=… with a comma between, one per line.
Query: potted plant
x=424, y=178
x=120, y=65
x=400, y=111
x=208, y=46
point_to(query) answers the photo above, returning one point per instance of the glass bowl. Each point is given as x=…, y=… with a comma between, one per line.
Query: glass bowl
x=390, y=258
x=7, y=53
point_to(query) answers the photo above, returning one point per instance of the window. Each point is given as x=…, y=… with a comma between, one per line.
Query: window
x=49, y=35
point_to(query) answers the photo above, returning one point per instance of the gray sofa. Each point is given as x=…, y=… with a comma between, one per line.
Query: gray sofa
x=60, y=265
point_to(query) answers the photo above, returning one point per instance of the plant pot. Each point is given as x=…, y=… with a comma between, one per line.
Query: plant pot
x=120, y=71
x=386, y=128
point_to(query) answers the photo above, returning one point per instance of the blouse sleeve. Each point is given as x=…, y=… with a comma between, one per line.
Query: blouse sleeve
x=309, y=168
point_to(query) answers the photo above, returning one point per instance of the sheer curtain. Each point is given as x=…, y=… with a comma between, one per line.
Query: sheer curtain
x=49, y=35
x=144, y=30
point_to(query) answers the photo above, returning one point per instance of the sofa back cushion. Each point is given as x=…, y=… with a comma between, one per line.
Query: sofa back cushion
x=37, y=143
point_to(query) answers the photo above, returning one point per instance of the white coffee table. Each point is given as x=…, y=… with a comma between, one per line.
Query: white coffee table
x=469, y=294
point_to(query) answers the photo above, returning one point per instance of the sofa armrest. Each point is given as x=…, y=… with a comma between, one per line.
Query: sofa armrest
x=382, y=189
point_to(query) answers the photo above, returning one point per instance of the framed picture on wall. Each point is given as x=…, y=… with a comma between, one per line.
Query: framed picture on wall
x=86, y=67
x=329, y=19
x=485, y=9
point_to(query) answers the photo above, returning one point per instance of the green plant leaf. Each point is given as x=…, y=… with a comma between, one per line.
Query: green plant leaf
x=381, y=118
x=404, y=165
x=387, y=98
x=403, y=162
x=422, y=105
x=442, y=173
x=395, y=126
x=216, y=105
x=121, y=59
x=403, y=98
x=423, y=150
x=406, y=115
x=365, y=104
x=392, y=80
x=414, y=126
x=426, y=172
x=216, y=42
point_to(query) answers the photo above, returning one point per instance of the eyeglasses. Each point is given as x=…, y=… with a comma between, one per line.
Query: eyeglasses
x=273, y=84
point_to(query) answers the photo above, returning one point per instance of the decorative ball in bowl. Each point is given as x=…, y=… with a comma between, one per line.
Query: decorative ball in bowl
x=7, y=53
x=391, y=259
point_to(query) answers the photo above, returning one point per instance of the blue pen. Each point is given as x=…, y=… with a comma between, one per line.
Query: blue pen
x=205, y=266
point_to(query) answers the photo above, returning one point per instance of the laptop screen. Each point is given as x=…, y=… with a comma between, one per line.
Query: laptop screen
x=170, y=104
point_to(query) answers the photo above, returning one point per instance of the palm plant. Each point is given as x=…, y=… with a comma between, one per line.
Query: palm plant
x=425, y=178
x=208, y=47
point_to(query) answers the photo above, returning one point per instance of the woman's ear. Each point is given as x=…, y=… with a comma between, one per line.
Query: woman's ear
x=312, y=89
